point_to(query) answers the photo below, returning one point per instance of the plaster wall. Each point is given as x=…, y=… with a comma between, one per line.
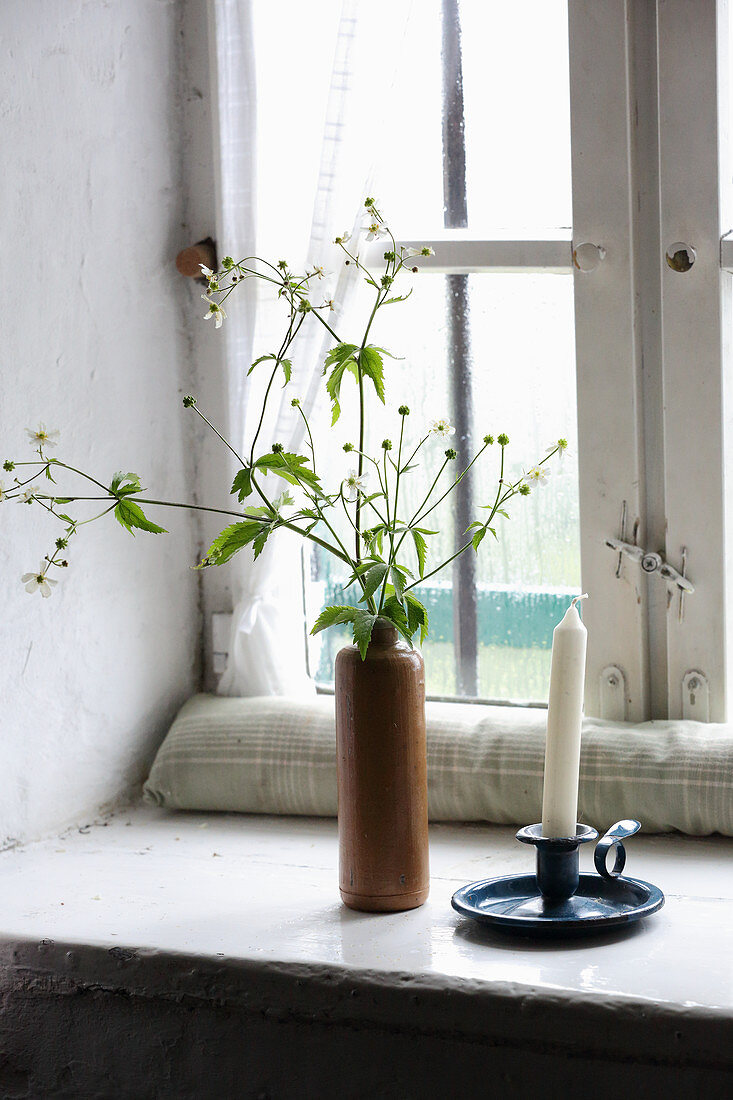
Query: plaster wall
x=96, y=341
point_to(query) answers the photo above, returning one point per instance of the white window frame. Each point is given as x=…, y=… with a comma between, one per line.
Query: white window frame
x=648, y=91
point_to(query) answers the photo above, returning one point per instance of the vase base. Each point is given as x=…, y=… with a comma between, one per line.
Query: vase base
x=390, y=903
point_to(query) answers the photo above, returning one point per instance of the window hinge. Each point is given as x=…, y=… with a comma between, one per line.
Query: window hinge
x=695, y=696
x=654, y=563
x=613, y=694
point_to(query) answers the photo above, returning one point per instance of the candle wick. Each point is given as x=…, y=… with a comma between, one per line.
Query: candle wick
x=578, y=598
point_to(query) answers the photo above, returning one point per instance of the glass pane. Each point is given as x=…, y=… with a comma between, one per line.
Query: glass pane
x=517, y=119
x=523, y=382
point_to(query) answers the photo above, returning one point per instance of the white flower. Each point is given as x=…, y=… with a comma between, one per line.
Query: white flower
x=561, y=447
x=442, y=427
x=39, y=580
x=538, y=475
x=41, y=437
x=354, y=484
x=206, y=271
x=375, y=231
x=28, y=493
x=3, y=491
x=408, y=253
x=343, y=239
x=318, y=270
x=331, y=306
x=215, y=311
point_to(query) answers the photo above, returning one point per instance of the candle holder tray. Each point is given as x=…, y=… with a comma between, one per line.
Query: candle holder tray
x=557, y=900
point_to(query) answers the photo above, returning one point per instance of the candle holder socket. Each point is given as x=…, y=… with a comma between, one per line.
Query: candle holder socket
x=558, y=868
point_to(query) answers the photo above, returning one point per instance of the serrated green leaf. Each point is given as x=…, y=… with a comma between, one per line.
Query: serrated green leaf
x=478, y=538
x=230, y=540
x=372, y=365
x=293, y=468
x=372, y=580
x=402, y=298
x=124, y=484
x=333, y=616
x=286, y=365
x=130, y=515
x=421, y=549
x=258, y=542
x=242, y=484
x=363, y=625
x=393, y=610
x=417, y=616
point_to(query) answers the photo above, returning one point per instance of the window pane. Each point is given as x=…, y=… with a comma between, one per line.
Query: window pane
x=522, y=351
x=517, y=119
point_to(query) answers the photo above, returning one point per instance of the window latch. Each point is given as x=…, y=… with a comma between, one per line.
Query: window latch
x=653, y=563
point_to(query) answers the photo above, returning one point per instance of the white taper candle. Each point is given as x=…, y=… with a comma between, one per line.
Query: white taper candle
x=564, y=719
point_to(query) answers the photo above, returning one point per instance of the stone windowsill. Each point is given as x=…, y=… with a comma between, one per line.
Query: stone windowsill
x=244, y=911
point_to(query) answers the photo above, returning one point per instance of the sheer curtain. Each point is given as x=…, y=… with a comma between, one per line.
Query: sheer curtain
x=266, y=650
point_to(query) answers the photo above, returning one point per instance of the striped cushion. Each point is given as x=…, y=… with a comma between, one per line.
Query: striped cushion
x=277, y=756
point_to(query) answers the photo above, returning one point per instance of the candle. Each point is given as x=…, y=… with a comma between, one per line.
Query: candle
x=564, y=718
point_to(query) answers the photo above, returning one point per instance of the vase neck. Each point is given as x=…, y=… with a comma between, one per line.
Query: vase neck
x=384, y=633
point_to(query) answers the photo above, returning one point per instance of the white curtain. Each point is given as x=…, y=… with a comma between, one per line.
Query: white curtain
x=267, y=651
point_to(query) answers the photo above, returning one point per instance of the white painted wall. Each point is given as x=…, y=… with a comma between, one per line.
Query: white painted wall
x=96, y=340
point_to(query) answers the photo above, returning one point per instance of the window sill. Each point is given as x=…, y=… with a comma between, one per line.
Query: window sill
x=243, y=912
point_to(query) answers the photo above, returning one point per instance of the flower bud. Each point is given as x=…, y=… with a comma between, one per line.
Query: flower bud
x=386, y=444
x=189, y=401
x=348, y=447
x=488, y=439
x=403, y=410
x=524, y=489
x=277, y=448
x=8, y=465
x=295, y=402
x=450, y=453
x=502, y=439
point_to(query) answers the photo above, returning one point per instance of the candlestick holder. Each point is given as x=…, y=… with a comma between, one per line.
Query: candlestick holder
x=558, y=899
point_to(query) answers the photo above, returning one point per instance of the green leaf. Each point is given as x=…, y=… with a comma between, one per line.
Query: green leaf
x=341, y=358
x=242, y=484
x=421, y=549
x=399, y=577
x=478, y=538
x=393, y=610
x=293, y=468
x=258, y=542
x=230, y=540
x=124, y=485
x=333, y=616
x=372, y=365
x=417, y=616
x=372, y=580
x=286, y=365
x=363, y=625
x=402, y=298
x=131, y=515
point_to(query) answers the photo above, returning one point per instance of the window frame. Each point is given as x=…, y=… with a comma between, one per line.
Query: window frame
x=645, y=82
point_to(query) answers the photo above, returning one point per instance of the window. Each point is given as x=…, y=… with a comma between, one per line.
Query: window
x=467, y=345
x=503, y=120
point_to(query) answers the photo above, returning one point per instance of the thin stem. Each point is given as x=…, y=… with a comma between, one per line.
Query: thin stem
x=221, y=437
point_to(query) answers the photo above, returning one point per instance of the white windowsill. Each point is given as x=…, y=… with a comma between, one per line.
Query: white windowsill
x=234, y=908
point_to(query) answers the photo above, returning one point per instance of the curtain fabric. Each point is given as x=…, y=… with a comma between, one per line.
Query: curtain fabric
x=266, y=650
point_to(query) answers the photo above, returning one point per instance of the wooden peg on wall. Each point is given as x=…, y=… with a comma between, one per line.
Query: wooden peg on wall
x=203, y=252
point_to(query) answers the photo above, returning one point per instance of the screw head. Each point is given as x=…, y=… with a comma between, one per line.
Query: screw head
x=651, y=562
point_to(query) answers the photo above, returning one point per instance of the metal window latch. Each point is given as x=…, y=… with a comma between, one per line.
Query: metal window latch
x=653, y=563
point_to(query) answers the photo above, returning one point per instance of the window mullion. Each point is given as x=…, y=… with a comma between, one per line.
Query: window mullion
x=695, y=323
x=610, y=429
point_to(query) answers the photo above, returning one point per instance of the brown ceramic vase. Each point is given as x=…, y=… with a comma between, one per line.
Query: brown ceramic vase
x=382, y=775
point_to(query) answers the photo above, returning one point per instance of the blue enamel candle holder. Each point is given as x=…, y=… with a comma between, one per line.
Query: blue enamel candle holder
x=558, y=899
